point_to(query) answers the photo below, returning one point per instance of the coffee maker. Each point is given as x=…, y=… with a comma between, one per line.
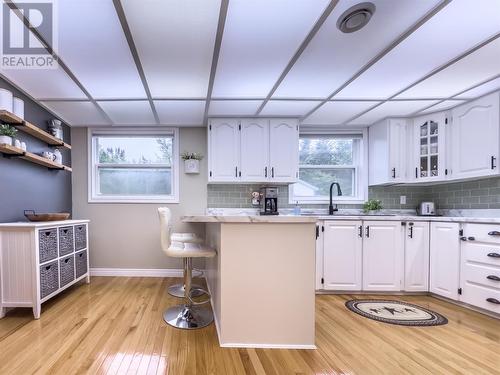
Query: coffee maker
x=269, y=200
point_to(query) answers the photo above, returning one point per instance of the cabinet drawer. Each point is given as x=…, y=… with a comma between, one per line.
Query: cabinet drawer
x=484, y=275
x=481, y=253
x=486, y=233
x=49, y=279
x=47, y=244
x=81, y=263
x=80, y=237
x=66, y=241
x=67, y=266
x=481, y=296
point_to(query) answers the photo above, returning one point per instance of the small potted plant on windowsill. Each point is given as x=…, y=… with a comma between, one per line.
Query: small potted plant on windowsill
x=7, y=133
x=372, y=207
x=191, y=162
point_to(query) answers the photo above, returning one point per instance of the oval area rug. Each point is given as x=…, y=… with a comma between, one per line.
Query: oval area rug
x=396, y=312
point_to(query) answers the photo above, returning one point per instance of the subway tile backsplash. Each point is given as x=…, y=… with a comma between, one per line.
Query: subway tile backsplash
x=478, y=194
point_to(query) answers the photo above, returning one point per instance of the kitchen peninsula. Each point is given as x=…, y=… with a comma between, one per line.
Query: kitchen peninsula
x=262, y=279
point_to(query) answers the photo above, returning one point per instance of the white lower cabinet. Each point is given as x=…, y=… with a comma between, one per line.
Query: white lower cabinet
x=444, y=259
x=342, y=255
x=480, y=266
x=416, y=269
x=361, y=255
x=382, y=256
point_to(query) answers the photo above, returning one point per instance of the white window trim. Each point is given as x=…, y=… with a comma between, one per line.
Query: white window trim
x=92, y=169
x=361, y=170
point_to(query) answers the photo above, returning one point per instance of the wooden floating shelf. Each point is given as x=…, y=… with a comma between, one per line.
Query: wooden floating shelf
x=29, y=128
x=33, y=158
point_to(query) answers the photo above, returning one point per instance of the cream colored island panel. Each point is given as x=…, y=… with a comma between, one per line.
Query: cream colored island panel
x=262, y=282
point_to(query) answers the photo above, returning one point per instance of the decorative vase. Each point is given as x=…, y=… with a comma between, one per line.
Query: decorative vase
x=6, y=100
x=191, y=166
x=5, y=140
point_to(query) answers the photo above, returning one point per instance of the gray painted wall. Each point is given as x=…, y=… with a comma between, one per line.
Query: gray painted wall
x=127, y=235
x=24, y=185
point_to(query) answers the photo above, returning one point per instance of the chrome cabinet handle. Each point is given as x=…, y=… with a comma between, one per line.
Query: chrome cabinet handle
x=393, y=172
x=493, y=160
x=367, y=231
x=360, y=231
x=265, y=172
x=235, y=171
x=494, y=233
x=494, y=255
x=272, y=172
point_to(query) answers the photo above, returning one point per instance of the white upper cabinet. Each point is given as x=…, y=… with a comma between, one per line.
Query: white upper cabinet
x=429, y=150
x=416, y=278
x=383, y=256
x=254, y=151
x=342, y=255
x=444, y=259
x=387, y=152
x=284, y=150
x=475, y=130
x=223, y=149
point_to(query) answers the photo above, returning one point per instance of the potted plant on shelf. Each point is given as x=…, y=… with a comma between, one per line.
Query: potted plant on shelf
x=191, y=162
x=372, y=206
x=7, y=133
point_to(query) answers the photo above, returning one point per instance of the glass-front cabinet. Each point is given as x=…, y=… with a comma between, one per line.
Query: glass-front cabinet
x=429, y=150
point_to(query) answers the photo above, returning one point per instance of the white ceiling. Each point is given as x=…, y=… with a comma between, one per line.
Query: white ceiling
x=163, y=62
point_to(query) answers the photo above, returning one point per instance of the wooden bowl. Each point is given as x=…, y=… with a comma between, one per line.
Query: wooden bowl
x=33, y=216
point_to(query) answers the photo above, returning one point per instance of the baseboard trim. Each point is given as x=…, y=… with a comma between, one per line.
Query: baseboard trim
x=136, y=272
x=268, y=346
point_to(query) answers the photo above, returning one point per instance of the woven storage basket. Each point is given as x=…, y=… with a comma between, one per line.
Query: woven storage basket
x=47, y=244
x=67, y=266
x=66, y=244
x=81, y=263
x=49, y=279
x=80, y=237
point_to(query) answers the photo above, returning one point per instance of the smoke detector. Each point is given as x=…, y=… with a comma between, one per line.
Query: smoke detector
x=356, y=17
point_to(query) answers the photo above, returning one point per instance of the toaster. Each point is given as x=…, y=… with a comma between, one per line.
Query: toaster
x=426, y=209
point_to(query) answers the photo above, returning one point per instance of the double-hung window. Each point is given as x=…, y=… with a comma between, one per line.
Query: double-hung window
x=133, y=166
x=327, y=158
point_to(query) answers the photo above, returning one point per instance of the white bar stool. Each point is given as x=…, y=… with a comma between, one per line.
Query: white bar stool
x=191, y=314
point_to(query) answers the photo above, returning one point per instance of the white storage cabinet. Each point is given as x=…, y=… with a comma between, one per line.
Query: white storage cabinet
x=39, y=260
x=416, y=265
x=253, y=150
x=387, y=152
x=445, y=259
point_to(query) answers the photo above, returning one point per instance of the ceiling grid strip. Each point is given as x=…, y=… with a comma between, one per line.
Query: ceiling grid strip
x=453, y=97
x=215, y=57
x=389, y=48
x=428, y=75
x=61, y=63
x=321, y=20
x=133, y=50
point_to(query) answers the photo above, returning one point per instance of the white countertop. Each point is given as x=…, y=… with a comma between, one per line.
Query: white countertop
x=41, y=224
x=248, y=219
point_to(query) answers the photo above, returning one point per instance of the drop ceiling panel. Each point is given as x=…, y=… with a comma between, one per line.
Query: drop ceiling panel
x=77, y=113
x=447, y=104
x=288, y=107
x=337, y=112
x=93, y=45
x=467, y=72
x=260, y=37
x=175, y=41
x=129, y=112
x=332, y=57
x=233, y=107
x=394, y=108
x=50, y=83
x=459, y=26
x=180, y=112
x=481, y=90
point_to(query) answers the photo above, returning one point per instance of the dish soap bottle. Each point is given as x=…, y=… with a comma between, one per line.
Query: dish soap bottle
x=296, y=209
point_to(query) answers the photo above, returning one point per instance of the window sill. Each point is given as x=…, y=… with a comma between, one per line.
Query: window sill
x=135, y=201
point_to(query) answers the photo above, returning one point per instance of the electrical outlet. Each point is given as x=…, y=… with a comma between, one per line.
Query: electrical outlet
x=402, y=199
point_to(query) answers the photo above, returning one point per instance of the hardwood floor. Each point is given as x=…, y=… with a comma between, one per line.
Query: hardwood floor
x=114, y=326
